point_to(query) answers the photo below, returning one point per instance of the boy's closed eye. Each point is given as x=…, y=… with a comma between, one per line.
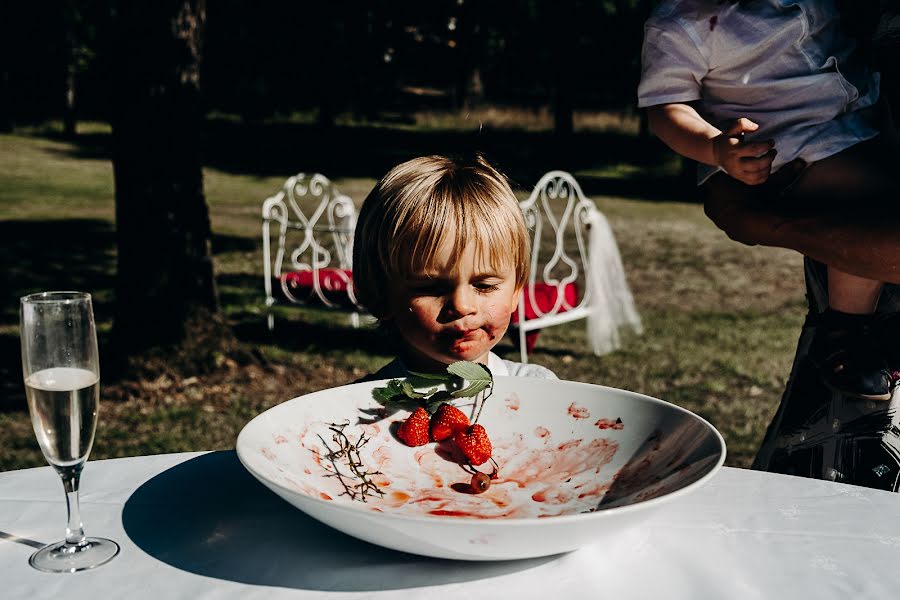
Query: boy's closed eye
x=440, y=287
x=487, y=286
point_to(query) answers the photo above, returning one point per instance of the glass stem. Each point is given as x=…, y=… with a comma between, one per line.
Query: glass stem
x=71, y=476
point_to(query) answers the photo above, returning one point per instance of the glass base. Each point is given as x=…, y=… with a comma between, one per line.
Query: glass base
x=62, y=558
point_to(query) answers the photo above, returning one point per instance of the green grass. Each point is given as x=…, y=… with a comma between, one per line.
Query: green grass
x=721, y=319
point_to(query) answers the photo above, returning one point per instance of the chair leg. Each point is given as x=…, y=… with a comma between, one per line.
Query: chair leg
x=354, y=320
x=270, y=320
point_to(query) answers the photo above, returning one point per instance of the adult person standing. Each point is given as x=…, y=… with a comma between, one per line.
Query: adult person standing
x=812, y=175
x=816, y=433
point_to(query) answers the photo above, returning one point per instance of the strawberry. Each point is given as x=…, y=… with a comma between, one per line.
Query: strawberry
x=414, y=430
x=474, y=443
x=447, y=421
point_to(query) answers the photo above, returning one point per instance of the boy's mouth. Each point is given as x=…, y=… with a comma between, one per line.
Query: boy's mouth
x=474, y=333
x=460, y=338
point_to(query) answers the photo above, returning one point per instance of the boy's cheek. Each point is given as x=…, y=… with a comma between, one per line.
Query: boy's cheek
x=501, y=313
x=422, y=314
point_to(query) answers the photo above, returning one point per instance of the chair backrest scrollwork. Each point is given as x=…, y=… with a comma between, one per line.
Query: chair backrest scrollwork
x=557, y=215
x=315, y=223
x=573, y=248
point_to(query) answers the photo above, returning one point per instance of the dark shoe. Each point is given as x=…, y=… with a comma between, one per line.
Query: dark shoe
x=849, y=356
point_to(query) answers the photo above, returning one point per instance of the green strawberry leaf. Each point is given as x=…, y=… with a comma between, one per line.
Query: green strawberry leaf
x=466, y=379
x=436, y=399
x=426, y=382
x=470, y=371
x=478, y=378
x=388, y=392
x=473, y=389
x=411, y=392
x=430, y=376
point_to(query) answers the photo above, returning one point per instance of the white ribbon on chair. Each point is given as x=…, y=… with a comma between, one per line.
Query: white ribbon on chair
x=613, y=306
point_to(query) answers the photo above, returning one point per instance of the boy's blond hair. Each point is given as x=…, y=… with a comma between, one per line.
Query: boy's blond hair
x=423, y=202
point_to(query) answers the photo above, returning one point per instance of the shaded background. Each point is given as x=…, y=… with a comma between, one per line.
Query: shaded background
x=377, y=59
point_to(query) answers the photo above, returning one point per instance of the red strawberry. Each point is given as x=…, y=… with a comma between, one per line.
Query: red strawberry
x=414, y=430
x=446, y=421
x=474, y=443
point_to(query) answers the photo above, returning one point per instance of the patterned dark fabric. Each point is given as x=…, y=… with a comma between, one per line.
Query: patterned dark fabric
x=821, y=434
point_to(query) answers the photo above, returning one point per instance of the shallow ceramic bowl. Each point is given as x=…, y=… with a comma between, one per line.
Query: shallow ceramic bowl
x=577, y=463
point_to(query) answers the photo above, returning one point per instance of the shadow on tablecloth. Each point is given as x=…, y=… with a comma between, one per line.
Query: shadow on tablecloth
x=209, y=516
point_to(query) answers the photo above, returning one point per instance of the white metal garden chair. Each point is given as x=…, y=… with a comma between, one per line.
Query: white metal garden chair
x=572, y=247
x=314, y=227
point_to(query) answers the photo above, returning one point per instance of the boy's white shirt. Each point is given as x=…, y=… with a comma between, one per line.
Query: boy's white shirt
x=498, y=366
x=783, y=64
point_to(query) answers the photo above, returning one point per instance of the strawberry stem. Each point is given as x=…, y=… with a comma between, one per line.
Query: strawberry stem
x=484, y=396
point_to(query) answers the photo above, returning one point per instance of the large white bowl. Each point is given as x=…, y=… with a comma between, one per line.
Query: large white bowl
x=578, y=463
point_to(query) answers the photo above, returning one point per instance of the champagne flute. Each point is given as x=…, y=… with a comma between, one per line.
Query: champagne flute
x=61, y=368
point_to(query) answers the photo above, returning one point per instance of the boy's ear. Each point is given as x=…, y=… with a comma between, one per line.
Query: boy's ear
x=516, y=298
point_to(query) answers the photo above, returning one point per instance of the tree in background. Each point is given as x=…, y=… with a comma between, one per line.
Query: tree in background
x=80, y=21
x=563, y=51
x=270, y=58
x=164, y=282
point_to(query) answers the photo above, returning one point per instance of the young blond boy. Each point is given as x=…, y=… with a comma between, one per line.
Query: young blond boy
x=440, y=257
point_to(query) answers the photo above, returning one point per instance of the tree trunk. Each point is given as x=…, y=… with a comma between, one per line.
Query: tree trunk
x=165, y=272
x=6, y=109
x=469, y=90
x=563, y=119
x=562, y=15
x=69, y=116
x=328, y=62
x=12, y=17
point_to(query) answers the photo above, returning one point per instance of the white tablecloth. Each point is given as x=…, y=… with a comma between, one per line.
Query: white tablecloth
x=198, y=526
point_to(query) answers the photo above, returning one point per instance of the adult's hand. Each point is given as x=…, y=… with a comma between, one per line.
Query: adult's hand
x=749, y=162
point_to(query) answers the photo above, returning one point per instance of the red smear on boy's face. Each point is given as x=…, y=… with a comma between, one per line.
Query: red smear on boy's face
x=458, y=310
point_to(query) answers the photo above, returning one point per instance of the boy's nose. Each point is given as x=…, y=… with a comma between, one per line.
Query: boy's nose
x=462, y=301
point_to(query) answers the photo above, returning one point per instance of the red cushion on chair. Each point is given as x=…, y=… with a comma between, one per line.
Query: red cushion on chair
x=545, y=296
x=333, y=282
x=330, y=280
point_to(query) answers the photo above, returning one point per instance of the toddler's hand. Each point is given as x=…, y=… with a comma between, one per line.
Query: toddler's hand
x=749, y=162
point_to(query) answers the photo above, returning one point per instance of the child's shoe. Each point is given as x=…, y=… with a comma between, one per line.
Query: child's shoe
x=849, y=356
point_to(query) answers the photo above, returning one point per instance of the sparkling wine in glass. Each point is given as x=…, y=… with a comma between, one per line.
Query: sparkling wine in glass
x=61, y=368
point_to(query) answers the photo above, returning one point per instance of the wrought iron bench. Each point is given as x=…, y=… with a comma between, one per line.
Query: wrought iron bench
x=313, y=245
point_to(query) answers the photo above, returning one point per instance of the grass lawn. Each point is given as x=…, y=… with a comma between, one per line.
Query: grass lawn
x=721, y=319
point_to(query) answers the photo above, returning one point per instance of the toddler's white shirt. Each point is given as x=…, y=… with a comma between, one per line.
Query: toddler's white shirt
x=783, y=64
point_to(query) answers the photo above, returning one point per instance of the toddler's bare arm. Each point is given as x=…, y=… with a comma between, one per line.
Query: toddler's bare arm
x=682, y=128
